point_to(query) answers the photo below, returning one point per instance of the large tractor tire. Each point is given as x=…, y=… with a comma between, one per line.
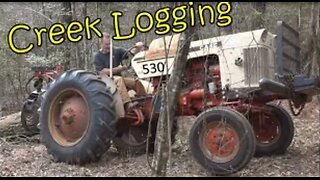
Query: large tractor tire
x=30, y=115
x=77, y=119
x=274, y=133
x=222, y=141
x=135, y=140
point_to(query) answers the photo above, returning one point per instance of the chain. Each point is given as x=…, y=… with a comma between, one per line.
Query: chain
x=289, y=82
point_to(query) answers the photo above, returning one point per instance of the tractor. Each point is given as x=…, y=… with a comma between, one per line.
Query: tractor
x=230, y=84
x=42, y=77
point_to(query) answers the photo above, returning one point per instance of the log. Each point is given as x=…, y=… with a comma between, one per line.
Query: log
x=10, y=120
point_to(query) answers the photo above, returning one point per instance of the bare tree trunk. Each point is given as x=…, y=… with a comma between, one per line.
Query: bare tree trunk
x=97, y=11
x=162, y=144
x=67, y=18
x=20, y=87
x=225, y=30
x=145, y=35
x=299, y=17
x=45, y=24
x=315, y=32
x=14, y=92
x=85, y=52
x=257, y=20
x=259, y=6
x=75, y=47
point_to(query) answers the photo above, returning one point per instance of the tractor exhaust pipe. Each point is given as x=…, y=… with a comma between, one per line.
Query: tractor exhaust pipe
x=274, y=86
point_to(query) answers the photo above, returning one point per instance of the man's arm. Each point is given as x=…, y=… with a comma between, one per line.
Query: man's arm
x=116, y=70
x=100, y=68
x=119, y=68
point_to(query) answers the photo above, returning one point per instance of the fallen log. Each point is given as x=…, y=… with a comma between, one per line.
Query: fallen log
x=10, y=120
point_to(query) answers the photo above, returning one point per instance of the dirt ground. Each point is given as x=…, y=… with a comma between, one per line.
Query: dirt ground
x=21, y=155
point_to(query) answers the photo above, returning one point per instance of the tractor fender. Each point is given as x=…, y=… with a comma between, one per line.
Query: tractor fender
x=116, y=96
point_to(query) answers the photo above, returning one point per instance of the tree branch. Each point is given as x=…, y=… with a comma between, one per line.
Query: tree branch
x=46, y=17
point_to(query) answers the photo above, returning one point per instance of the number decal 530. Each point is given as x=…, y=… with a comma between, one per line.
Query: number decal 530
x=153, y=68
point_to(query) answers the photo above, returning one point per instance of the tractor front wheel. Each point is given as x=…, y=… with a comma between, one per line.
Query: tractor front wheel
x=274, y=131
x=222, y=141
x=77, y=119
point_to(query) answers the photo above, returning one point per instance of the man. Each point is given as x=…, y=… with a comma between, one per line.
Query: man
x=101, y=62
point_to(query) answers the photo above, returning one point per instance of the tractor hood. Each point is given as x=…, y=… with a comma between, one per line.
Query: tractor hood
x=152, y=63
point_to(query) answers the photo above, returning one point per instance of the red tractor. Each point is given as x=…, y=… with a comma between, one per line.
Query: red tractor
x=229, y=84
x=43, y=75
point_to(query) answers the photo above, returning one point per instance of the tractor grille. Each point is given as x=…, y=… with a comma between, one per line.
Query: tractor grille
x=258, y=63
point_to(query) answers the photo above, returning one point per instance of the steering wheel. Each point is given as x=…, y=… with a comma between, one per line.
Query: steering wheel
x=127, y=62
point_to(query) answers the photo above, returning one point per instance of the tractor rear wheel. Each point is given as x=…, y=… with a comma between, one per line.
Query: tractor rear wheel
x=222, y=141
x=274, y=132
x=133, y=141
x=77, y=119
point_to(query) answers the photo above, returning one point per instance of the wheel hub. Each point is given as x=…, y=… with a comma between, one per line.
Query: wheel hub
x=266, y=128
x=73, y=118
x=69, y=119
x=220, y=143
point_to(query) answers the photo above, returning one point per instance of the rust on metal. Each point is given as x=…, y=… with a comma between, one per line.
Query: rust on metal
x=157, y=48
x=267, y=129
x=69, y=119
x=220, y=142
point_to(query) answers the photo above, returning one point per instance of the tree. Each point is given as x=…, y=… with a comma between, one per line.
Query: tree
x=257, y=21
x=85, y=55
x=169, y=98
x=315, y=34
x=67, y=18
x=43, y=10
x=225, y=30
